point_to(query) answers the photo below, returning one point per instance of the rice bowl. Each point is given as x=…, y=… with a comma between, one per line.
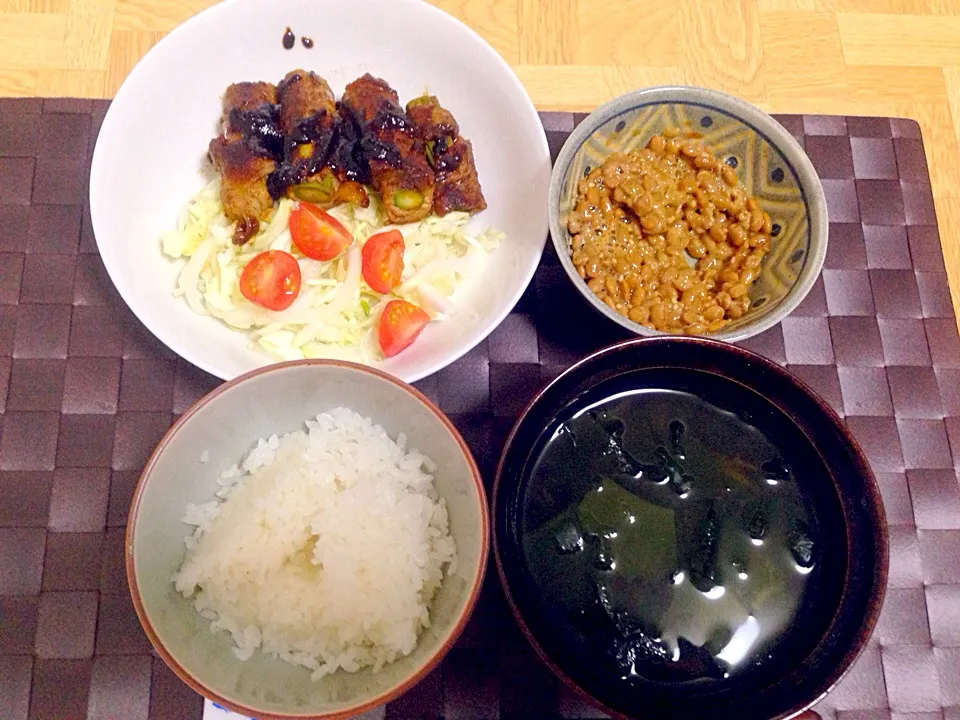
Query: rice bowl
x=325, y=548
x=187, y=468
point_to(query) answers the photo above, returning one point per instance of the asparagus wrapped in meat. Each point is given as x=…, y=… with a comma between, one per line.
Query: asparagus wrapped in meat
x=434, y=123
x=395, y=153
x=313, y=130
x=245, y=154
x=295, y=140
x=457, y=187
x=304, y=96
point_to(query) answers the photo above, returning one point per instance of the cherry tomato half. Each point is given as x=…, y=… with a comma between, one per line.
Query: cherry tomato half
x=400, y=324
x=317, y=234
x=383, y=261
x=271, y=280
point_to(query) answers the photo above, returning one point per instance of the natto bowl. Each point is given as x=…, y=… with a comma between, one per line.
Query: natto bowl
x=768, y=160
x=835, y=616
x=221, y=428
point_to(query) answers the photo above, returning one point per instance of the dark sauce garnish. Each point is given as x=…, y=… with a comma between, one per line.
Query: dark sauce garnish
x=295, y=169
x=246, y=228
x=375, y=150
x=289, y=39
x=282, y=178
x=348, y=157
x=316, y=130
x=450, y=159
x=345, y=146
x=259, y=128
x=307, y=42
x=390, y=117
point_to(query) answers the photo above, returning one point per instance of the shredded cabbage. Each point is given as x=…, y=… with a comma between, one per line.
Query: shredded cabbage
x=336, y=311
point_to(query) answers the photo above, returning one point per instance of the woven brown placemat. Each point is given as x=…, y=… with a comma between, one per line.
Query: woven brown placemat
x=86, y=391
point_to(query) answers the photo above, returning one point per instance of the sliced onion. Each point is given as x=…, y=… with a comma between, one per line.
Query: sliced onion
x=434, y=301
x=278, y=224
x=189, y=280
x=284, y=241
x=239, y=319
x=351, y=283
x=431, y=270
x=310, y=269
x=346, y=292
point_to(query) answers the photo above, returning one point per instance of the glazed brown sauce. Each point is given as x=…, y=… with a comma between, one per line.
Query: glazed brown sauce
x=449, y=159
x=346, y=146
x=259, y=129
x=246, y=229
x=289, y=39
x=307, y=42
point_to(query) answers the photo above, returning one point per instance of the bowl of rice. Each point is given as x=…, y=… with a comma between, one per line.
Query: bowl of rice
x=308, y=540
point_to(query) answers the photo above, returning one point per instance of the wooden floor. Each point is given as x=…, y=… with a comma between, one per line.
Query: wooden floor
x=869, y=57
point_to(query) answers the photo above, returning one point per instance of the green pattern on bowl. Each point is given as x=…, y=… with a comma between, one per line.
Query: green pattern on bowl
x=768, y=161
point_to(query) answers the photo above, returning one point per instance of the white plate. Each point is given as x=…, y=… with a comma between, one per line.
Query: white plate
x=150, y=156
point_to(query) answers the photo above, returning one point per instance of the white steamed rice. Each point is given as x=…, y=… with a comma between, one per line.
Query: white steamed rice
x=325, y=548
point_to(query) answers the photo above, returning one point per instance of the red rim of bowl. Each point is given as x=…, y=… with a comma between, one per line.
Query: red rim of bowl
x=881, y=568
x=399, y=688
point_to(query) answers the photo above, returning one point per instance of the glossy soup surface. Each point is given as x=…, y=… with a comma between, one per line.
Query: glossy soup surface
x=670, y=537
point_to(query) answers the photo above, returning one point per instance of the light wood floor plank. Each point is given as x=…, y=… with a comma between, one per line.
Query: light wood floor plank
x=723, y=45
x=905, y=40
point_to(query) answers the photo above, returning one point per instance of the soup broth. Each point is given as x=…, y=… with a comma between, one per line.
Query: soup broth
x=669, y=531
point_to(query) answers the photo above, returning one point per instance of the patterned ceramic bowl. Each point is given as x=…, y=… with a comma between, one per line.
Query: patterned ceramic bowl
x=769, y=162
